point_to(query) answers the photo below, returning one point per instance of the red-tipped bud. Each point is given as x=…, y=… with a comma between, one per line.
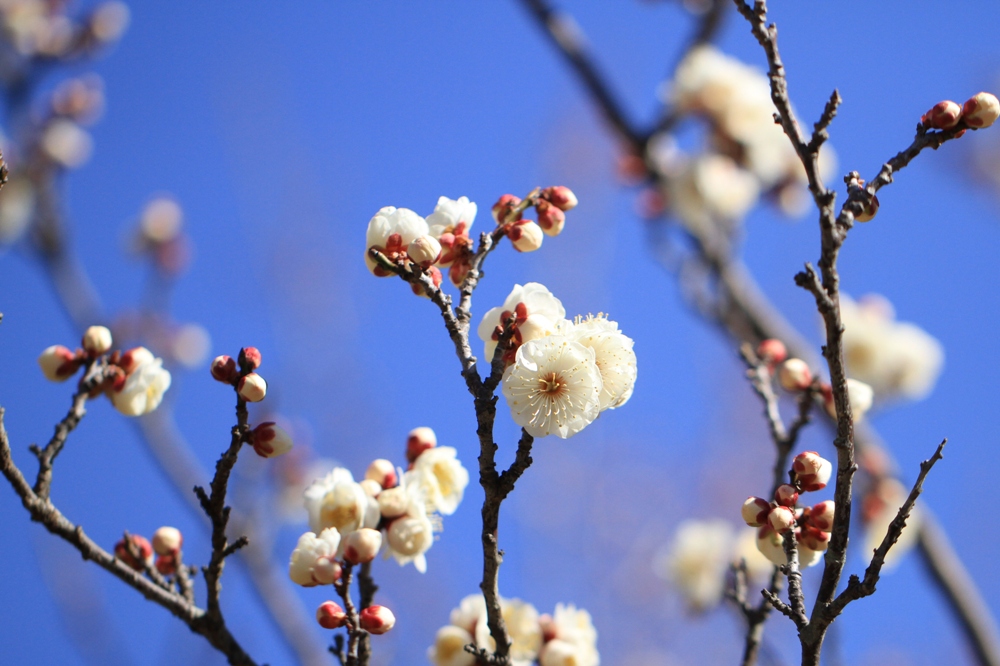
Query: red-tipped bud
x=224, y=369
x=503, y=208
x=382, y=472
x=868, y=211
x=96, y=340
x=943, y=115
x=135, y=357
x=425, y=251
x=166, y=564
x=250, y=358
x=794, y=375
x=814, y=539
x=525, y=236
x=58, y=363
x=270, y=440
x=141, y=546
x=418, y=441
x=821, y=515
x=812, y=471
x=981, y=110
x=330, y=615
x=252, y=387
x=786, y=495
x=781, y=518
x=755, y=510
x=550, y=218
x=167, y=541
x=376, y=619
x=326, y=571
x=362, y=545
x=772, y=351
x=560, y=196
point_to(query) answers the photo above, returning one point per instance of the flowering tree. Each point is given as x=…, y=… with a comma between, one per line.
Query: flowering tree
x=556, y=376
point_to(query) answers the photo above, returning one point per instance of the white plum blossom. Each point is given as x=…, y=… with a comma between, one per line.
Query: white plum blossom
x=449, y=647
x=710, y=189
x=612, y=353
x=143, y=389
x=17, y=208
x=391, y=231
x=895, y=358
x=523, y=626
x=449, y=214
x=554, y=387
x=411, y=535
x=338, y=501
x=536, y=310
x=440, y=477
x=697, y=560
x=313, y=560
x=574, y=642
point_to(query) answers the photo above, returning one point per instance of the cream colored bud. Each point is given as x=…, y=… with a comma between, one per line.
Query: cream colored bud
x=418, y=441
x=167, y=541
x=382, y=472
x=981, y=110
x=868, y=211
x=252, y=387
x=97, y=340
x=270, y=440
x=362, y=545
x=58, y=363
x=794, y=375
x=371, y=488
x=525, y=236
x=755, y=510
x=781, y=518
x=786, y=495
x=943, y=115
x=812, y=471
x=821, y=515
x=425, y=251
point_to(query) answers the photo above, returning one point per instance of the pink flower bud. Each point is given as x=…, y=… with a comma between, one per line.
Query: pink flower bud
x=166, y=564
x=330, y=615
x=418, y=441
x=224, y=369
x=786, y=495
x=943, y=115
x=561, y=197
x=362, y=545
x=436, y=278
x=814, y=539
x=250, y=358
x=781, y=518
x=167, y=541
x=135, y=357
x=382, y=472
x=58, y=363
x=772, y=351
x=550, y=218
x=270, y=440
x=812, y=471
x=252, y=387
x=326, y=570
x=503, y=207
x=794, y=375
x=868, y=211
x=425, y=251
x=139, y=544
x=525, y=236
x=376, y=619
x=755, y=510
x=981, y=110
x=96, y=340
x=821, y=515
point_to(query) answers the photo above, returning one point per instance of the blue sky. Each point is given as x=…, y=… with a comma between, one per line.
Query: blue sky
x=281, y=128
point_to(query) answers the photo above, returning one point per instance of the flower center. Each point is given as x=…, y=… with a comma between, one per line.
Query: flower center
x=551, y=384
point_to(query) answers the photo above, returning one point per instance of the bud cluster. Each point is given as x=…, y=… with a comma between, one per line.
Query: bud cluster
x=137, y=551
x=551, y=206
x=979, y=111
x=811, y=525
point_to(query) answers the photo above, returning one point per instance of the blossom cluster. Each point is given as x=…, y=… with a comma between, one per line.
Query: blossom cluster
x=810, y=525
x=443, y=241
x=561, y=374
x=979, y=111
x=565, y=638
x=134, y=380
x=137, y=552
x=389, y=511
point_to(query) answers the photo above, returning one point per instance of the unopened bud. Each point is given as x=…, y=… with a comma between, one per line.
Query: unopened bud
x=981, y=110
x=814, y=539
x=781, y=518
x=376, y=619
x=371, y=488
x=252, y=387
x=821, y=515
x=943, y=115
x=393, y=503
x=382, y=472
x=561, y=197
x=166, y=564
x=270, y=440
x=224, y=369
x=550, y=218
x=772, y=351
x=868, y=210
x=326, y=570
x=135, y=357
x=525, y=236
x=362, y=545
x=755, y=510
x=58, y=363
x=503, y=208
x=861, y=396
x=141, y=546
x=425, y=251
x=167, y=541
x=794, y=375
x=812, y=471
x=330, y=615
x=786, y=495
x=97, y=340
x=250, y=358
x=418, y=441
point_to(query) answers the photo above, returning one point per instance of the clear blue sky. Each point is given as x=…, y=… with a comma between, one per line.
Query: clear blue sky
x=282, y=127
